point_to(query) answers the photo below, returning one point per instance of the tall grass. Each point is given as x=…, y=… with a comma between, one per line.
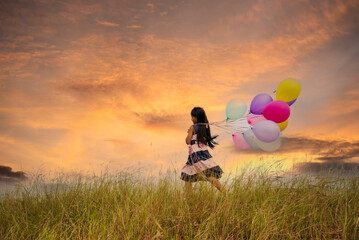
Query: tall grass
x=257, y=206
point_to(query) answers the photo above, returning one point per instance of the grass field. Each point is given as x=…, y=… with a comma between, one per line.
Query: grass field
x=123, y=207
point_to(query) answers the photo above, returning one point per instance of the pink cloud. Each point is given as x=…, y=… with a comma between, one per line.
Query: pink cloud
x=109, y=24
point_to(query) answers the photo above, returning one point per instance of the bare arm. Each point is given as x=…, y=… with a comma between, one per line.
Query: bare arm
x=190, y=134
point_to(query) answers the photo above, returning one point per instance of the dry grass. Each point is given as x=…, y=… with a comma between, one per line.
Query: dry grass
x=123, y=207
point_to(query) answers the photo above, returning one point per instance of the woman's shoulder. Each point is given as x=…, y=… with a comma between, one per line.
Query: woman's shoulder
x=195, y=127
x=191, y=129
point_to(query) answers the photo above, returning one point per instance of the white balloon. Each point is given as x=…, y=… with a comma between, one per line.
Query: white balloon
x=250, y=138
x=236, y=108
x=271, y=146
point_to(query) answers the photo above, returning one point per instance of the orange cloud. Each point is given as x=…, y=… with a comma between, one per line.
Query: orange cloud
x=89, y=89
x=134, y=26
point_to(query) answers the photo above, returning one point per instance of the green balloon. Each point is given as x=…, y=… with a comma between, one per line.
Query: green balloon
x=236, y=108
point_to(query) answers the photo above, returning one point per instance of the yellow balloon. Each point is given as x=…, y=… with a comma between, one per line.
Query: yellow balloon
x=288, y=90
x=283, y=125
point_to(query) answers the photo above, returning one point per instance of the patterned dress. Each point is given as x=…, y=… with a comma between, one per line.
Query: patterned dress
x=199, y=160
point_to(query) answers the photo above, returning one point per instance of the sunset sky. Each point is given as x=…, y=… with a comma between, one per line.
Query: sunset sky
x=86, y=85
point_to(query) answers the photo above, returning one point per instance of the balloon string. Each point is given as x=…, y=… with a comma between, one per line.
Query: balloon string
x=256, y=116
x=232, y=129
x=239, y=127
x=223, y=129
x=213, y=123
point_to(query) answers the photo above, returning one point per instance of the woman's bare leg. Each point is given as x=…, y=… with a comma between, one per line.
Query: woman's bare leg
x=214, y=181
x=188, y=188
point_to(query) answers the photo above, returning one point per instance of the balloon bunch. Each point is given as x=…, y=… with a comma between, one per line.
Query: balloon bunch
x=261, y=127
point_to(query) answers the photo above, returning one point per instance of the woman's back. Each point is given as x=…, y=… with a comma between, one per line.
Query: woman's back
x=194, y=143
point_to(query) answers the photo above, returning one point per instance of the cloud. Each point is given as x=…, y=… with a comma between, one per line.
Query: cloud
x=343, y=168
x=342, y=108
x=119, y=142
x=324, y=150
x=335, y=150
x=68, y=81
x=108, y=24
x=134, y=26
x=159, y=119
x=330, y=155
x=7, y=175
x=93, y=89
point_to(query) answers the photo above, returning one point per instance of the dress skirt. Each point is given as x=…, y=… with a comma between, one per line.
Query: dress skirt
x=200, y=162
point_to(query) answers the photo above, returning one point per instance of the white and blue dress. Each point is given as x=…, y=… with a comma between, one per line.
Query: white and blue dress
x=199, y=162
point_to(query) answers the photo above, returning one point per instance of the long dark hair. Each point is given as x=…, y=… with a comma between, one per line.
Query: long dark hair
x=204, y=132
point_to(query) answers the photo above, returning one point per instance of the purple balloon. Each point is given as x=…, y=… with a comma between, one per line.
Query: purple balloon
x=259, y=102
x=291, y=102
x=266, y=131
x=277, y=111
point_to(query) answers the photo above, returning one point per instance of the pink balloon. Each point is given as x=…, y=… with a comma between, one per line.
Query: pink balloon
x=253, y=119
x=277, y=111
x=239, y=141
